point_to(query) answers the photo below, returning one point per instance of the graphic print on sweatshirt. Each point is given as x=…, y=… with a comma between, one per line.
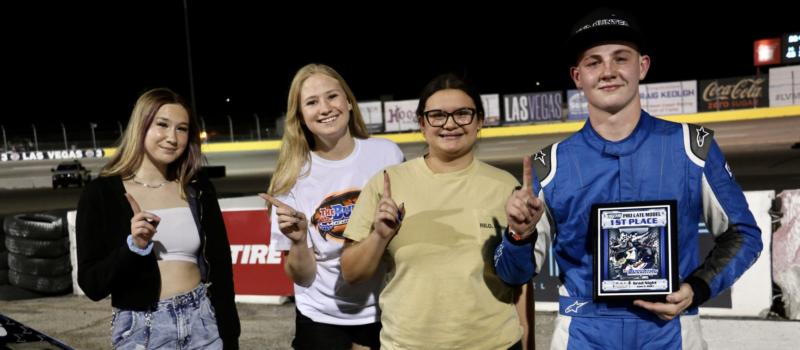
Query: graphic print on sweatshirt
x=331, y=216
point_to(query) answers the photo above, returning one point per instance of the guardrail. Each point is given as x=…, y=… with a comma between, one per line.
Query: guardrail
x=526, y=130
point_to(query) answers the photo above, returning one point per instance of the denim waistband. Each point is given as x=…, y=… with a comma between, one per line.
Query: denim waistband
x=192, y=297
x=583, y=307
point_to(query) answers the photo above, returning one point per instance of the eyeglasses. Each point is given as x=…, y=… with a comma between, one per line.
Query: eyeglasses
x=461, y=117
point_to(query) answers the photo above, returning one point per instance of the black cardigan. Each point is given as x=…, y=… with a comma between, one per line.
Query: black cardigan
x=107, y=266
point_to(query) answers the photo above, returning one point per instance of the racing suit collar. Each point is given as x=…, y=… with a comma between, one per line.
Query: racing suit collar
x=622, y=147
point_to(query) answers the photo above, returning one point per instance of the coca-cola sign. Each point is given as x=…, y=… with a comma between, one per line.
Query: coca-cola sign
x=733, y=93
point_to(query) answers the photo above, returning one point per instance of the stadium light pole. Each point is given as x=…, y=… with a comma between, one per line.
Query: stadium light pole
x=94, y=141
x=203, y=132
x=35, y=138
x=5, y=143
x=230, y=126
x=64, y=133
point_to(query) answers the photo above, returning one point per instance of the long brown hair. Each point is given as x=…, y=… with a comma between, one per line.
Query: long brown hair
x=130, y=150
x=298, y=141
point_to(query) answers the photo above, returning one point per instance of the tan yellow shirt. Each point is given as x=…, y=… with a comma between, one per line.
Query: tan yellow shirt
x=442, y=291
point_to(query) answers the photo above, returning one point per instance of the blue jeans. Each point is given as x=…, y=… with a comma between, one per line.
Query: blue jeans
x=184, y=321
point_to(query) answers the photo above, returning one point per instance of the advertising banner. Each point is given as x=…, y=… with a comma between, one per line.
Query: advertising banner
x=577, y=106
x=733, y=93
x=51, y=155
x=372, y=112
x=491, y=105
x=400, y=116
x=679, y=97
x=784, y=86
x=532, y=107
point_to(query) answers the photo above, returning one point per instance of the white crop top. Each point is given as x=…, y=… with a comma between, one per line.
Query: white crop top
x=176, y=236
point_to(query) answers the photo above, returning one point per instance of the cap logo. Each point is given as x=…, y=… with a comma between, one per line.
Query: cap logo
x=604, y=22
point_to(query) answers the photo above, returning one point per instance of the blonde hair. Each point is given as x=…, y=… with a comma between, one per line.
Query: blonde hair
x=298, y=141
x=130, y=150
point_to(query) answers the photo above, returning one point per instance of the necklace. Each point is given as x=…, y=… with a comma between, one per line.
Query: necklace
x=150, y=186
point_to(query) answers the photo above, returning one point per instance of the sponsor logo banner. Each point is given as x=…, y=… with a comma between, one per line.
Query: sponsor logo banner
x=400, y=116
x=733, y=93
x=372, y=112
x=491, y=106
x=784, y=86
x=51, y=155
x=679, y=97
x=532, y=107
x=577, y=106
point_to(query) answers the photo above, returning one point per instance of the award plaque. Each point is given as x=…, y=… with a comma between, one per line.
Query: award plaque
x=635, y=247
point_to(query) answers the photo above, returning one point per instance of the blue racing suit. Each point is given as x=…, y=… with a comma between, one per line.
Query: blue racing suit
x=660, y=160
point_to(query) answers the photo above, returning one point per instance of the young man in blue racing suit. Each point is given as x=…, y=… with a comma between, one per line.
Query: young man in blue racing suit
x=623, y=154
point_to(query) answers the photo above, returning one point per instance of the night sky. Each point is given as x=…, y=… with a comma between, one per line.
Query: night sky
x=81, y=63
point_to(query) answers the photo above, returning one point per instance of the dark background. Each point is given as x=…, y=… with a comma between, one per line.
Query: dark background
x=87, y=62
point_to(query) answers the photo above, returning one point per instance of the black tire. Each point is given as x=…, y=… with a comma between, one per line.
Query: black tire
x=35, y=226
x=3, y=277
x=3, y=260
x=40, y=267
x=2, y=236
x=47, y=285
x=36, y=248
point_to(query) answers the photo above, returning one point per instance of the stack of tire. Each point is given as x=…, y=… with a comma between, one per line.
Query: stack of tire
x=3, y=257
x=38, y=253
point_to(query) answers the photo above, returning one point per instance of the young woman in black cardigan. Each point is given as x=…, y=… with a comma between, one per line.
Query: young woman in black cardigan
x=150, y=234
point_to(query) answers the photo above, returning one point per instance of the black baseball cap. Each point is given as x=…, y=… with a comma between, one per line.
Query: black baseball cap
x=602, y=26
